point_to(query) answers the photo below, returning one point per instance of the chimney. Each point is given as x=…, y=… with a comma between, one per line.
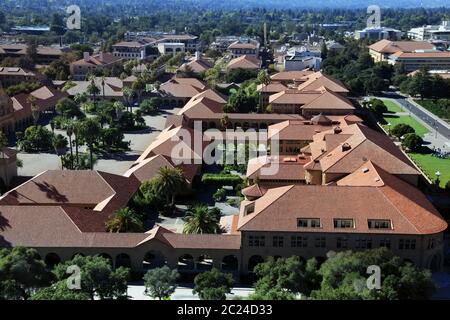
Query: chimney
x=197, y=55
x=86, y=56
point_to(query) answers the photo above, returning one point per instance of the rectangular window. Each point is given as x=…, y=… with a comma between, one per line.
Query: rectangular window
x=363, y=243
x=308, y=223
x=343, y=223
x=379, y=224
x=278, y=241
x=256, y=241
x=385, y=243
x=320, y=242
x=407, y=244
x=431, y=243
x=342, y=243
x=299, y=242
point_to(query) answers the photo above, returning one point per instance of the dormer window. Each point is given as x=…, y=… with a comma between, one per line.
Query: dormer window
x=344, y=223
x=249, y=209
x=379, y=224
x=308, y=223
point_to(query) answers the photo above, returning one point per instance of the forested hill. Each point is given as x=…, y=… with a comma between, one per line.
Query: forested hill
x=221, y=4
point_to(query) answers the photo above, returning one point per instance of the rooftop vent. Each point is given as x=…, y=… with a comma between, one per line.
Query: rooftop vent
x=365, y=170
x=337, y=130
x=346, y=147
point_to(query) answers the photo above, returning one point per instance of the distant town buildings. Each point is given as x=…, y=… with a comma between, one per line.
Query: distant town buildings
x=135, y=50
x=431, y=32
x=297, y=59
x=378, y=34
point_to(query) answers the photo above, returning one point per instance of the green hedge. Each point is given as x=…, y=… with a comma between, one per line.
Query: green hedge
x=221, y=179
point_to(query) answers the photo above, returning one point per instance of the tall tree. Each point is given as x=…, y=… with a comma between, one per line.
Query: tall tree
x=161, y=283
x=90, y=131
x=213, y=285
x=21, y=272
x=98, y=279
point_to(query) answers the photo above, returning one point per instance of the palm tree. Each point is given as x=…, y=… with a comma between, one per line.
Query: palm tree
x=138, y=86
x=199, y=220
x=103, y=86
x=169, y=182
x=59, y=144
x=92, y=89
x=225, y=121
x=124, y=220
x=76, y=133
x=35, y=113
x=69, y=131
x=3, y=145
x=128, y=94
x=90, y=130
x=264, y=79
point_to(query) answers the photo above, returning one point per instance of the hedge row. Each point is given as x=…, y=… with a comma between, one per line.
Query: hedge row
x=221, y=179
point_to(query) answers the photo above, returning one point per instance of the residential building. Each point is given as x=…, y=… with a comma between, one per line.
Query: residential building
x=178, y=91
x=382, y=50
x=378, y=33
x=431, y=32
x=196, y=64
x=244, y=62
x=248, y=48
x=301, y=59
x=11, y=76
x=411, y=61
x=44, y=54
x=171, y=48
x=136, y=50
x=92, y=64
x=109, y=87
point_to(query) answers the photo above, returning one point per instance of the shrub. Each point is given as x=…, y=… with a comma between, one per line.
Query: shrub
x=151, y=105
x=219, y=195
x=401, y=130
x=221, y=179
x=412, y=142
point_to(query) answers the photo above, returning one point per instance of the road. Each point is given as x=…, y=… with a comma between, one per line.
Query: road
x=436, y=125
x=136, y=292
x=443, y=130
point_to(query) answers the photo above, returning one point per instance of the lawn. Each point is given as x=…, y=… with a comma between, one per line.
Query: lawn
x=394, y=120
x=430, y=165
x=392, y=106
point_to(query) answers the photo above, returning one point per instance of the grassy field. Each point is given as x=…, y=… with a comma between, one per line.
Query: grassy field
x=392, y=106
x=394, y=120
x=430, y=165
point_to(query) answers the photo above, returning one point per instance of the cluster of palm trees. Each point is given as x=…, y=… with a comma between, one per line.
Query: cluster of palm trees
x=167, y=184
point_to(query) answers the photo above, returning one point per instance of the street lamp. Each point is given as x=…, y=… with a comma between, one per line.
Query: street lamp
x=438, y=174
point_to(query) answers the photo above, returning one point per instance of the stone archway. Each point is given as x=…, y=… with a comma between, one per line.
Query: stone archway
x=186, y=263
x=107, y=257
x=52, y=259
x=253, y=262
x=123, y=260
x=204, y=263
x=230, y=263
x=153, y=259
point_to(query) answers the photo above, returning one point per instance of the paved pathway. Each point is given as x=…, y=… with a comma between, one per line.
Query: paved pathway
x=34, y=163
x=136, y=292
